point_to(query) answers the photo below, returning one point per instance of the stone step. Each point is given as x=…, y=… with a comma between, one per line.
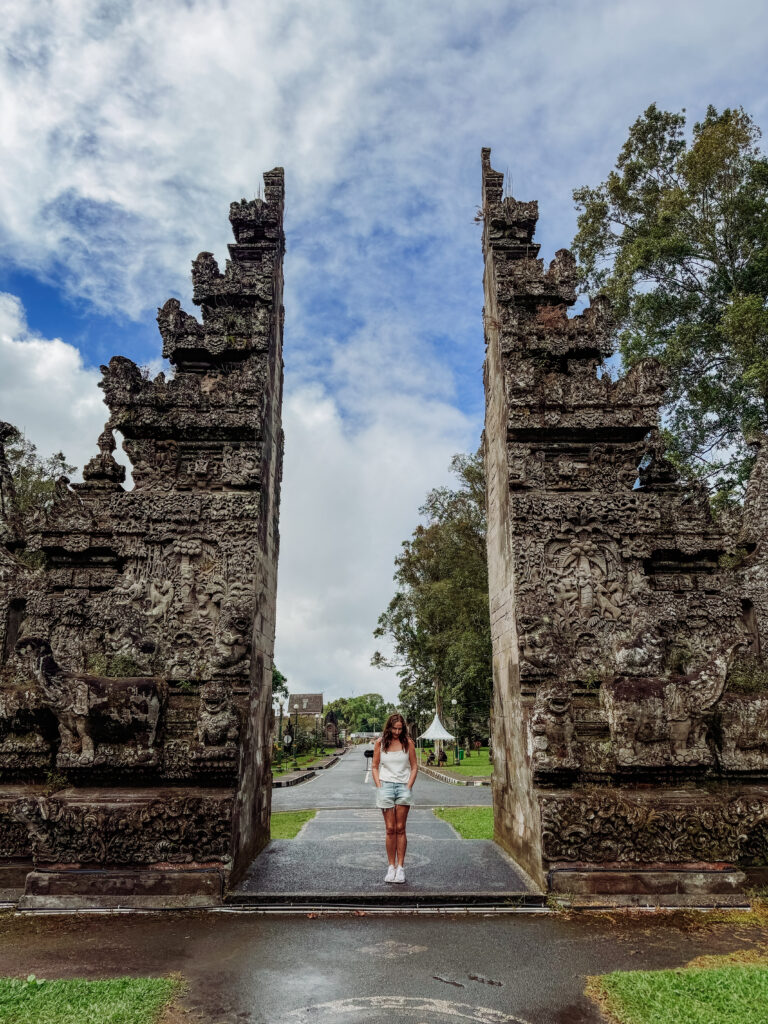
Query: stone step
x=396, y=898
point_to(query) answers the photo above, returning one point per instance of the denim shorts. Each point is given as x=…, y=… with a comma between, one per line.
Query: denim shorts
x=390, y=793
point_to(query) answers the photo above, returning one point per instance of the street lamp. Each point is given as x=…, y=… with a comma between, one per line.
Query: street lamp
x=456, y=737
x=317, y=723
x=296, y=727
x=279, y=744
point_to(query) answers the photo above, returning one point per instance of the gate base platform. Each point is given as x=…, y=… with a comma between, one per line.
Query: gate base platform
x=105, y=889
x=662, y=885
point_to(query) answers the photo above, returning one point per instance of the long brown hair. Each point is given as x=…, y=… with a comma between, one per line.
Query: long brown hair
x=387, y=737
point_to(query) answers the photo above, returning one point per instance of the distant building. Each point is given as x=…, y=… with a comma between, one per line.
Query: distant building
x=309, y=705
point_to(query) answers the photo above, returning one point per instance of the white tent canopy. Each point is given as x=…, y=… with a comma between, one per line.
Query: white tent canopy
x=436, y=731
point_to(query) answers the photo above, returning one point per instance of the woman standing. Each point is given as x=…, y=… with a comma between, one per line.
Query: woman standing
x=394, y=771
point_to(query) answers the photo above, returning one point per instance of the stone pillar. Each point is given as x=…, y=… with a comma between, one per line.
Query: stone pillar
x=147, y=638
x=629, y=689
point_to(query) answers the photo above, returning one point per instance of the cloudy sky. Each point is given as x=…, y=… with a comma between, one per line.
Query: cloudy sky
x=127, y=128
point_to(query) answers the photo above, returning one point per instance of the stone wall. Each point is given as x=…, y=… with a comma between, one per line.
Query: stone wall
x=516, y=817
x=136, y=662
x=626, y=620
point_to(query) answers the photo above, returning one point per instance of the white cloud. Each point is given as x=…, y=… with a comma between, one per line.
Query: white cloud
x=349, y=499
x=129, y=126
x=46, y=390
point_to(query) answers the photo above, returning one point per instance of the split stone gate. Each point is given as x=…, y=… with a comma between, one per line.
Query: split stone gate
x=630, y=699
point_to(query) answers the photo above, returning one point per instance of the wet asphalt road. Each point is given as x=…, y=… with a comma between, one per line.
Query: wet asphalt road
x=344, y=786
x=242, y=968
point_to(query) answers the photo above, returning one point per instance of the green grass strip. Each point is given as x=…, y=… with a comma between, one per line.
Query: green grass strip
x=288, y=824
x=77, y=1001
x=721, y=995
x=477, y=764
x=287, y=764
x=469, y=822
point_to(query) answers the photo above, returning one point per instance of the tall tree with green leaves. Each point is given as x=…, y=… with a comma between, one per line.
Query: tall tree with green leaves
x=677, y=237
x=279, y=683
x=365, y=713
x=438, y=619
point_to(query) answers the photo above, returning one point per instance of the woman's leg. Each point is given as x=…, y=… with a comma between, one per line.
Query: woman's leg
x=391, y=826
x=401, y=816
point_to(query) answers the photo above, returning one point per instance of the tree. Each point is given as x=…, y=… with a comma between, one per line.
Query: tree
x=677, y=237
x=339, y=707
x=34, y=478
x=27, y=489
x=279, y=683
x=438, y=618
x=366, y=713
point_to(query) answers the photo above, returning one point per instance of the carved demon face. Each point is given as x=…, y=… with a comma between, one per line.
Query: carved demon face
x=213, y=698
x=232, y=642
x=558, y=702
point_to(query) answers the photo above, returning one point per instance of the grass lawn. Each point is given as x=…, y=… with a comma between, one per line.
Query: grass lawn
x=305, y=759
x=284, y=825
x=476, y=764
x=732, y=993
x=76, y=1001
x=469, y=822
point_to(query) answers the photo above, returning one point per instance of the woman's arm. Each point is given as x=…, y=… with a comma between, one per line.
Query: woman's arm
x=414, y=763
x=375, y=763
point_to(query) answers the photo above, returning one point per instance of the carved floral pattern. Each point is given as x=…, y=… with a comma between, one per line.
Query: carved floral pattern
x=613, y=827
x=174, y=828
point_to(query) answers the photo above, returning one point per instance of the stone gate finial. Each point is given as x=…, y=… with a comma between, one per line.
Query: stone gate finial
x=103, y=472
x=235, y=304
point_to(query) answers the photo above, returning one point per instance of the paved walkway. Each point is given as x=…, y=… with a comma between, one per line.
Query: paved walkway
x=344, y=786
x=339, y=856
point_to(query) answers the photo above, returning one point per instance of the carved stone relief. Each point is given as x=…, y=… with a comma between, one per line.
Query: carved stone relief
x=218, y=725
x=126, y=659
x=743, y=722
x=100, y=720
x=618, y=826
x=622, y=596
x=551, y=729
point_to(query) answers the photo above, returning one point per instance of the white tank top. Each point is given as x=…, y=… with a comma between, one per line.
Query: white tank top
x=394, y=764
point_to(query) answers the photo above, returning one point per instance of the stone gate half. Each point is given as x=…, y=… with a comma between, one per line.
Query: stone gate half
x=135, y=694
x=630, y=697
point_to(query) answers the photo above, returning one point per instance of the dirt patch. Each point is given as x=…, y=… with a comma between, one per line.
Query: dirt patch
x=756, y=956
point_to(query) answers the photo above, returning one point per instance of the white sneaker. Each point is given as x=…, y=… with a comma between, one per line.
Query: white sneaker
x=391, y=875
x=399, y=875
